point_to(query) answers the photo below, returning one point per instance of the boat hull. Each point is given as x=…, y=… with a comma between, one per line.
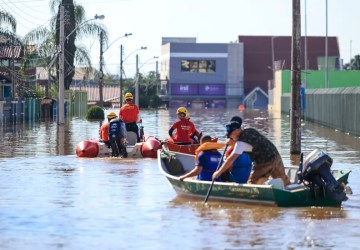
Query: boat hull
x=185, y=149
x=298, y=196
x=94, y=148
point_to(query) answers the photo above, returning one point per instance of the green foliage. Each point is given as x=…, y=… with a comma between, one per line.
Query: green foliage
x=147, y=90
x=354, y=64
x=95, y=113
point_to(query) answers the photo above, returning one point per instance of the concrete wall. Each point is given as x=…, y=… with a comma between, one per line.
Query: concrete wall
x=338, y=108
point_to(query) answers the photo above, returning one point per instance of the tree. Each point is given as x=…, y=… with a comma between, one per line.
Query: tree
x=47, y=39
x=8, y=29
x=354, y=64
x=7, y=24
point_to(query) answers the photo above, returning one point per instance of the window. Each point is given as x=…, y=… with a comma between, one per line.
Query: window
x=200, y=66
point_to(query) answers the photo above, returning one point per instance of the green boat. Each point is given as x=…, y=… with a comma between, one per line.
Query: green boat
x=304, y=194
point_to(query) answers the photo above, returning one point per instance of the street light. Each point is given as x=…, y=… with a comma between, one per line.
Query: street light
x=126, y=35
x=121, y=68
x=61, y=118
x=100, y=17
x=152, y=58
x=102, y=62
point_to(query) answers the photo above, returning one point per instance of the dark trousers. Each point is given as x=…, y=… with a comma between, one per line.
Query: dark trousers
x=118, y=149
x=133, y=127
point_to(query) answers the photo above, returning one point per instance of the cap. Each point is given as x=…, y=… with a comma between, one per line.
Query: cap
x=111, y=115
x=231, y=127
x=236, y=119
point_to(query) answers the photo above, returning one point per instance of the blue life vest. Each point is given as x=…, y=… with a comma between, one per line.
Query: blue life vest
x=209, y=161
x=117, y=129
x=241, y=169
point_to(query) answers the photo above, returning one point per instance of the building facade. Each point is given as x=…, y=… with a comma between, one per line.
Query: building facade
x=264, y=55
x=208, y=75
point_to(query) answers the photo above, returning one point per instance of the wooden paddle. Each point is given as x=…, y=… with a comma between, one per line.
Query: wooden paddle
x=212, y=183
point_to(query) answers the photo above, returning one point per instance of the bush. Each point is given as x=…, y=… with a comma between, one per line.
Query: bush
x=95, y=113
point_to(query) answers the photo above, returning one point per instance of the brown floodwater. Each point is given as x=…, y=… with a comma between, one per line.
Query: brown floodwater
x=50, y=199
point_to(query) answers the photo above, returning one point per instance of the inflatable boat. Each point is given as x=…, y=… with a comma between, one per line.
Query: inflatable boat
x=146, y=148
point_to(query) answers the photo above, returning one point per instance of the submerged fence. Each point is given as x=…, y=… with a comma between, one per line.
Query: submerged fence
x=337, y=108
x=15, y=111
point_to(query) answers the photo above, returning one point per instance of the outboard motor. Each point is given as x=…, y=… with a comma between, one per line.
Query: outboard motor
x=316, y=171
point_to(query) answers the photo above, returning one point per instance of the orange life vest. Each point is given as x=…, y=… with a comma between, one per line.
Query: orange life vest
x=208, y=146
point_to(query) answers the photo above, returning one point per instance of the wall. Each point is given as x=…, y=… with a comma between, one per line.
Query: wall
x=316, y=79
x=338, y=108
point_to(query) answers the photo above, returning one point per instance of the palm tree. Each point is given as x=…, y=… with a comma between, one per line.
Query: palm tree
x=47, y=39
x=7, y=24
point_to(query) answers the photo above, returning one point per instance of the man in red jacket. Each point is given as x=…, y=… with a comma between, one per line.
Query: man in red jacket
x=129, y=113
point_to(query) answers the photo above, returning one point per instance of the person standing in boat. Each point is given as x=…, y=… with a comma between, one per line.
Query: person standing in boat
x=240, y=169
x=207, y=159
x=104, y=129
x=117, y=137
x=263, y=153
x=184, y=128
x=129, y=113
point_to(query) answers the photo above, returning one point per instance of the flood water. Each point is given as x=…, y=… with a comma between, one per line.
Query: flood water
x=50, y=199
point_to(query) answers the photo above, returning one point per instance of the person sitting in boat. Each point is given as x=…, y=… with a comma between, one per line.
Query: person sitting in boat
x=263, y=153
x=240, y=170
x=184, y=128
x=104, y=129
x=207, y=158
x=129, y=113
x=117, y=137
x=197, y=134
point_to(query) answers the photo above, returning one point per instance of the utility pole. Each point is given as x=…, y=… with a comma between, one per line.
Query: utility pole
x=61, y=69
x=13, y=68
x=137, y=81
x=101, y=70
x=121, y=74
x=326, y=47
x=157, y=77
x=295, y=105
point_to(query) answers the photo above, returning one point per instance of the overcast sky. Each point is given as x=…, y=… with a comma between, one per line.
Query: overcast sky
x=210, y=21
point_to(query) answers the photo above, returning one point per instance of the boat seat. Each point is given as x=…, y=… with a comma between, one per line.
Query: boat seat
x=294, y=186
x=131, y=138
x=276, y=183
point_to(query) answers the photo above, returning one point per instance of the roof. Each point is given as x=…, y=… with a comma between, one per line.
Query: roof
x=8, y=52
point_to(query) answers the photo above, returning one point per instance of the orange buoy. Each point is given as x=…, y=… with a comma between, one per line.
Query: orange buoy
x=150, y=147
x=87, y=148
x=241, y=107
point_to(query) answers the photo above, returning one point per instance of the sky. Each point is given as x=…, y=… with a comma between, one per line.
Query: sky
x=210, y=21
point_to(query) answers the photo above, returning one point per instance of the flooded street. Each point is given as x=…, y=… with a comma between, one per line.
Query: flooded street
x=50, y=199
